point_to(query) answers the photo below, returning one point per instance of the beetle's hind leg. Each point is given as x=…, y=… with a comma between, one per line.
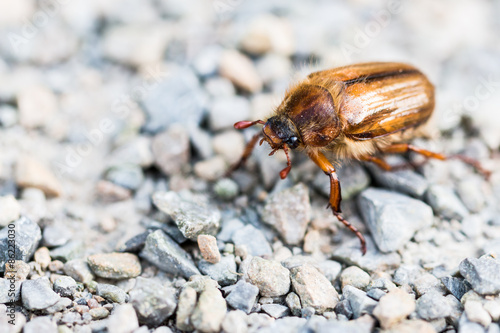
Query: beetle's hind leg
x=246, y=154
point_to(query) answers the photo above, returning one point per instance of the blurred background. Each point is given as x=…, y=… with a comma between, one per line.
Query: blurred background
x=104, y=102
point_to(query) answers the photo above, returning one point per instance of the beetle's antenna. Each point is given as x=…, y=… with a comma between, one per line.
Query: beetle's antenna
x=245, y=124
x=285, y=171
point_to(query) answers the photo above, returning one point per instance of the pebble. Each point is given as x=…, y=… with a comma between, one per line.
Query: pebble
x=411, y=326
x=123, y=319
x=31, y=172
x=292, y=300
x=226, y=189
x=152, y=301
x=99, y=313
x=240, y=70
x=6, y=291
x=192, y=218
x=243, y=296
x=472, y=226
x=209, y=311
x=38, y=294
x=376, y=293
x=109, y=192
x=178, y=90
x=331, y=269
x=392, y=308
x=56, y=234
x=235, y=321
x=354, y=276
x=359, y=302
x=8, y=116
x=111, y=293
x=211, y=169
x=65, y=286
x=115, y=265
x=493, y=308
x=42, y=257
x=482, y=274
x=166, y=254
x=313, y=288
x=37, y=105
x=40, y=324
x=208, y=248
x=28, y=236
x=185, y=307
x=19, y=270
x=10, y=208
x=253, y=239
x=354, y=179
x=476, y=313
x=206, y=62
x=171, y=150
x=219, y=87
x=79, y=270
x=289, y=212
x=275, y=310
x=456, y=286
x=270, y=284
x=445, y=202
x=268, y=33
x=224, y=272
x=384, y=213
x=230, y=145
x=127, y=176
x=407, y=274
x=136, y=151
x=223, y=113
x=432, y=306
x=427, y=283
x=74, y=249
x=471, y=192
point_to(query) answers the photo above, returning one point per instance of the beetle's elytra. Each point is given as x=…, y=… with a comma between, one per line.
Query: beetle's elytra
x=353, y=112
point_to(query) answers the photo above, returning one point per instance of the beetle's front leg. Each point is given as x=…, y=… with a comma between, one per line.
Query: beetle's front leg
x=335, y=194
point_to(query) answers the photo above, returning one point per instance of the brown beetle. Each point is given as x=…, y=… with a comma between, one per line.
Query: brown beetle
x=351, y=112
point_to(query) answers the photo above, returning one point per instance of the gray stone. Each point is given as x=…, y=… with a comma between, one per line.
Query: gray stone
x=27, y=235
x=472, y=226
x=200, y=283
x=115, y=265
x=456, y=286
x=56, y=234
x=354, y=276
x=235, y=321
x=10, y=208
x=253, y=239
x=482, y=274
x=177, y=99
x=152, y=301
x=62, y=304
x=224, y=272
x=123, y=319
x=359, y=302
x=313, y=288
x=225, y=111
x=10, y=290
x=427, y=283
x=8, y=116
x=192, y=218
x=289, y=212
x=207, y=60
x=269, y=276
x=38, y=294
x=445, y=202
x=226, y=189
x=433, y=306
x=111, y=293
x=209, y=311
x=40, y=324
x=243, y=296
x=99, y=313
x=74, y=249
x=127, y=175
x=163, y=252
x=275, y=310
x=476, y=313
x=407, y=274
x=471, y=191
x=293, y=302
x=65, y=286
x=394, y=307
x=376, y=293
x=185, y=307
x=393, y=218
x=353, y=177
x=364, y=324
x=171, y=150
x=136, y=151
x=331, y=269
x=79, y=270
x=229, y=226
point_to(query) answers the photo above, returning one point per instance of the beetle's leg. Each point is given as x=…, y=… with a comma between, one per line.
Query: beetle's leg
x=378, y=161
x=335, y=195
x=246, y=153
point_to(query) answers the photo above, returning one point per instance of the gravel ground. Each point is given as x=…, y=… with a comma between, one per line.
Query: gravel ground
x=116, y=129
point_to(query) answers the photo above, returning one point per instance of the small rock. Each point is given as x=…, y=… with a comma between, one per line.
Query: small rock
x=56, y=234
x=223, y=113
x=127, y=176
x=136, y=151
x=38, y=294
x=243, y=296
x=253, y=239
x=74, y=249
x=229, y=144
x=359, y=302
x=167, y=255
x=210, y=169
x=482, y=274
x=407, y=274
x=412, y=326
x=394, y=307
x=427, y=283
x=123, y=319
x=226, y=189
x=471, y=192
x=289, y=212
x=27, y=235
x=8, y=116
x=269, y=276
x=477, y=314
x=62, y=304
x=187, y=303
x=393, y=218
x=445, y=202
x=354, y=276
x=456, y=286
x=99, y=313
x=171, y=150
x=330, y=269
x=275, y=310
x=152, y=301
x=111, y=293
x=10, y=290
x=208, y=248
x=192, y=218
x=65, y=286
x=40, y=324
x=109, y=192
x=293, y=302
x=207, y=61
x=19, y=270
x=10, y=208
x=240, y=70
x=200, y=283
x=224, y=272
x=376, y=293
x=354, y=179
x=433, y=306
x=235, y=321
x=115, y=265
x=37, y=105
x=79, y=270
x=313, y=288
x=42, y=257
x=268, y=33
x=31, y=172
x=493, y=308
x=209, y=311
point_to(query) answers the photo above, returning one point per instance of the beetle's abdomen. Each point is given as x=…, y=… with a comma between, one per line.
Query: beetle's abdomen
x=312, y=111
